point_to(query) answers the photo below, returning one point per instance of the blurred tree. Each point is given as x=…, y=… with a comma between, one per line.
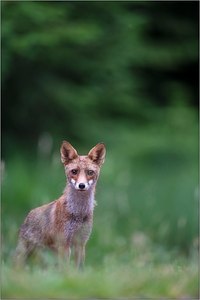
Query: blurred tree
x=64, y=63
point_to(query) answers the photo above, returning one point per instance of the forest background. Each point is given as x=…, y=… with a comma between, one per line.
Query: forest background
x=122, y=73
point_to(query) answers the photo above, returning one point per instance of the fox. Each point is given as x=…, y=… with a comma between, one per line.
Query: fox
x=65, y=223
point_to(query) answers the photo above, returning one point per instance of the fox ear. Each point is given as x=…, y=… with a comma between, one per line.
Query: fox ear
x=97, y=154
x=68, y=153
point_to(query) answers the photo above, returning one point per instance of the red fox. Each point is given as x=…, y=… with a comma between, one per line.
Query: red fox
x=66, y=222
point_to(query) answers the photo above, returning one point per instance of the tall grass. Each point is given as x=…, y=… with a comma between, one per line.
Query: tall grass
x=113, y=279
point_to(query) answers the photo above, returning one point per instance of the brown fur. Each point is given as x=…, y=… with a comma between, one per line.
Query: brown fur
x=66, y=222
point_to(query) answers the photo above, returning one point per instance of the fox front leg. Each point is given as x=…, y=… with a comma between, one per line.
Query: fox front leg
x=79, y=253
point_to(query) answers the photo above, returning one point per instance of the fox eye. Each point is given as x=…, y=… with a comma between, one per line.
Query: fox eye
x=90, y=172
x=74, y=171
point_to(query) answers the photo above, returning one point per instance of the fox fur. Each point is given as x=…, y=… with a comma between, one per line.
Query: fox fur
x=66, y=222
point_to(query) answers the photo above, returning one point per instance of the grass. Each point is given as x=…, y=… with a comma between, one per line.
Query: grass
x=114, y=279
x=145, y=236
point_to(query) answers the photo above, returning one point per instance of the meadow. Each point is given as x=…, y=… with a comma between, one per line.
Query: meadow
x=144, y=242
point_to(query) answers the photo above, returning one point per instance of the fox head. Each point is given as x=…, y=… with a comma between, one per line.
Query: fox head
x=82, y=171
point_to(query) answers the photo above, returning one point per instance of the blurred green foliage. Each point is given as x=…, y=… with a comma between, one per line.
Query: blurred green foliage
x=66, y=66
x=123, y=73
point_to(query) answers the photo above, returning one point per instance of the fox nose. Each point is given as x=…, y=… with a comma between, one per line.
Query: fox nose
x=81, y=186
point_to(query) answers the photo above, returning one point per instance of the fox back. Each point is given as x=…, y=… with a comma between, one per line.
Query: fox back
x=67, y=221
